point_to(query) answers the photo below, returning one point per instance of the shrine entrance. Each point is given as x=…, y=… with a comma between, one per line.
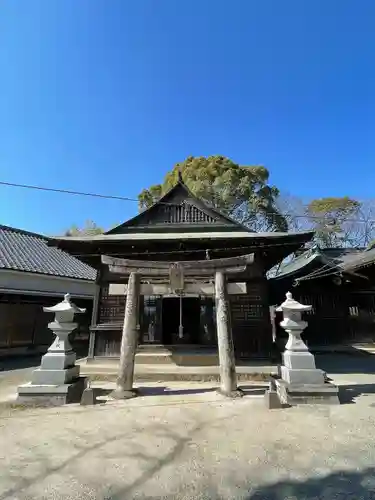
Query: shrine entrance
x=183, y=276
x=181, y=320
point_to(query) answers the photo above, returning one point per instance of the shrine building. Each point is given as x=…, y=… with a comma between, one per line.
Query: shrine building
x=177, y=245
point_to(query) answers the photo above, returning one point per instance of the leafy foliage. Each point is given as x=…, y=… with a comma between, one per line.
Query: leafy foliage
x=89, y=229
x=333, y=220
x=241, y=192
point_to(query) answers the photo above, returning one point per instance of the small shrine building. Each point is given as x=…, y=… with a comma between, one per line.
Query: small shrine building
x=177, y=245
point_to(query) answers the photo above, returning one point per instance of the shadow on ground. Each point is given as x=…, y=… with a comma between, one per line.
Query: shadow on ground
x=19, y=362
x=344, y=485
x=349, y=393
x=168, y=391
x=352, y=362
x=152, y=464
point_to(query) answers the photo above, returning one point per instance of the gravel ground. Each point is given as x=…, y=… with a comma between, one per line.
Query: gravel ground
x=189, y=443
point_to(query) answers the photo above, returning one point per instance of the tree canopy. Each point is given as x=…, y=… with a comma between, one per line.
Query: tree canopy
x=244, y=193
x=333, y=220
x=240, y=191
x=89, y=229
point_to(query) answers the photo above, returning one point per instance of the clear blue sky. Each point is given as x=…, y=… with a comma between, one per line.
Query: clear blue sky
x=106, y=96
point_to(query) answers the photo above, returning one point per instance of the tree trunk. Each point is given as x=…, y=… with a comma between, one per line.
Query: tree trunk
x=228, y=379
x=125, y=378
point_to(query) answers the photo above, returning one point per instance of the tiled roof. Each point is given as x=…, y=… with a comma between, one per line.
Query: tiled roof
x=298, y=263
x=358, y=260
x=344, y=259
x=24, y=251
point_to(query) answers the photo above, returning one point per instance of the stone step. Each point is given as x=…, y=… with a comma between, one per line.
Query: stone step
x=99, y=370
x=177, y=358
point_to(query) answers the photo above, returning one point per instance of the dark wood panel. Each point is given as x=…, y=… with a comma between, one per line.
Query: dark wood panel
x=108, y=343
x=111, y=307
x=362, y=317
x=250, y=319
x=208, y=333
x=17, y=324
x=251, y=324
x=151, y=319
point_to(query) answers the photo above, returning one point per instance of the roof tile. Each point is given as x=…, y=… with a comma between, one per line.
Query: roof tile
x=24, y=251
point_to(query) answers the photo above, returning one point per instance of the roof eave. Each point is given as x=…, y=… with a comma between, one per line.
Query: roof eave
x=304, y=237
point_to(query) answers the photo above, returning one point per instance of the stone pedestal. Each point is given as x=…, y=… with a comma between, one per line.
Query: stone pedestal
x=57, y=380
x=300, y=381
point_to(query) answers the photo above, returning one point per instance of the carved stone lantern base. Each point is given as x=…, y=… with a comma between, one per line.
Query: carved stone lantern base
x=52, y=395
x=57, y=380
x=300, y=382
x=297, y=394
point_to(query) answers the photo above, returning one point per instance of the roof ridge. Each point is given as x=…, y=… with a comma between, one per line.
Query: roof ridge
x=24, y=231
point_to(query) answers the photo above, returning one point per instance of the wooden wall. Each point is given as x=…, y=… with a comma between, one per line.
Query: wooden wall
x=249, y=318
x=23, y=323
x=340, y=314
x=251, y=325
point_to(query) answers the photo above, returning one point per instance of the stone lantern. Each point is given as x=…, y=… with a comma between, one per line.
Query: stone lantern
x=301, y=381
x=57, y=380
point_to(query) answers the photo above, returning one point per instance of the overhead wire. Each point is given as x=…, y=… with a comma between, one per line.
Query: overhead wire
x=312, y=275
x=326, y=270
x=334, y=272
x=126, y=198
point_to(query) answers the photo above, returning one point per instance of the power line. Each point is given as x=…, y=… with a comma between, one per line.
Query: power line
x=333, y=272
x=126, y=198
x=67, y=191
x=321, y=272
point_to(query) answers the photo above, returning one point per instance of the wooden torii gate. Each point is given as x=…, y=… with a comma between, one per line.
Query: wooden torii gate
x=176, y=272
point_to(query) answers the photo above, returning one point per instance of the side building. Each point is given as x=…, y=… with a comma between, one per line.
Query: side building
x=32, y=275
x=181, y=227
x=340, y=285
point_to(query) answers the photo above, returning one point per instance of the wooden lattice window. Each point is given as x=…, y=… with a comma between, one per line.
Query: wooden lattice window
x=112, y=307
x=185, y=213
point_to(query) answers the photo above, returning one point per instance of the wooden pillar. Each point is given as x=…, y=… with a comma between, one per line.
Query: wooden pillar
x=94, y=319
x=228, y=378
x=124, y=389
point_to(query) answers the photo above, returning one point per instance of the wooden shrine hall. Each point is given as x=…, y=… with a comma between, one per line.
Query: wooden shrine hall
x=178, y=250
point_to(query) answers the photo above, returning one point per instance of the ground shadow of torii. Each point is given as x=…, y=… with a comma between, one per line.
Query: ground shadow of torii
x=343, y=485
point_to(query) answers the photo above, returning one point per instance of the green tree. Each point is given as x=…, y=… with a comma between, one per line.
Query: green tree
x=89, y=229
x=241, y=192
x=335, y=221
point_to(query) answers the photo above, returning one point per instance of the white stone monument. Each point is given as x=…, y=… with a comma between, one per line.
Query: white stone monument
x=57, y=381
x=300, y=382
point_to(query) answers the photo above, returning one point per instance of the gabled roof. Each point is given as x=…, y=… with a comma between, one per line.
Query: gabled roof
x=179, y=208
x=181, y=217
x=341, y=259
x=29, y=252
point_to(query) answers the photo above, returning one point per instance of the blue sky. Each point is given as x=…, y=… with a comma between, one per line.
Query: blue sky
x=106, y=96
